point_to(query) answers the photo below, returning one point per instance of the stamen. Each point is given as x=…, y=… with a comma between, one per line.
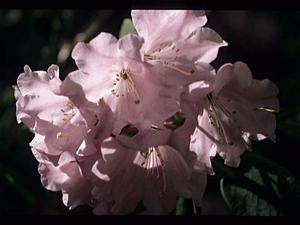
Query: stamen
x=163, y=171
x=179, y=70
x=151, y=164
x=125, y=74
x=167, y=54
x=69, y=112
x=61, y=135
x=194, y=206
x=92, y=199
x=224, y=110
x=267, y=109
x=135, y=92
x=229, y=142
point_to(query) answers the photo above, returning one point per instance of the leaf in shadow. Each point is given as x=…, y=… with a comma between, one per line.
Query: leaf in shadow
x=260, y=187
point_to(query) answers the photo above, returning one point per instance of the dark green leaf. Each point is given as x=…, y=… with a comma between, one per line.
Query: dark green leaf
x=260, y=187
x=186, y=207
x=180, y=207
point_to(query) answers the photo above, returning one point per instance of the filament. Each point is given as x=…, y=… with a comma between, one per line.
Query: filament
x=151, y=162
x=219, y=121
x=194, y=206
x=179, y=70
x=135, y=92
x=265, y=109
x=61, y=135
x=167, y=54
x=163, y=172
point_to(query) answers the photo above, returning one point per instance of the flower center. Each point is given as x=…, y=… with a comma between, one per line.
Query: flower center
x=67, y=115
x=153, y=161
x=69, y=112
x=166, y=55
x=124, y=85
x=215, y=119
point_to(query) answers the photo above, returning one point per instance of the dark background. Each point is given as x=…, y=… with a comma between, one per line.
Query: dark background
x=268, y=41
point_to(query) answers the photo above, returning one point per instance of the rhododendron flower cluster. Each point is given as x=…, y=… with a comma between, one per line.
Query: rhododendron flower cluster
x=107, y=134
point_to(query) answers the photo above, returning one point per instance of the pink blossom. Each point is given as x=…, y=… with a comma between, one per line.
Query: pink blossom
x=82, y=125
x=237, y=109
x=56, y=122
x=67, y=178
x=112, y=69
x=175, y=40
x=123, y=177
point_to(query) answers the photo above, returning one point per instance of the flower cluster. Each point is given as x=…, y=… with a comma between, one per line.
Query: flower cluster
x=143, y=116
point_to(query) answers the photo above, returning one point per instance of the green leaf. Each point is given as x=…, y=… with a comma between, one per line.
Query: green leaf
x=186, y=207
x=127, y=28
x=180, y=207
x=260, y=187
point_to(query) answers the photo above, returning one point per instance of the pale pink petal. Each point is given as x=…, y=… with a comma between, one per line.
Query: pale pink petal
x=48, y=114
x=68, y=179
x=162, y=26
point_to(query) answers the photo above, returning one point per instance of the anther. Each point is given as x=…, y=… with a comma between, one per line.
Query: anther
x=61, y=135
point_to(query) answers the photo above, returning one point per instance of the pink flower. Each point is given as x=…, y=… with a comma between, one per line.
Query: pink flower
x=55, y=121
x=175, y=40
x=112, y=70
x=237, y=109
x=58, y=128
x=101, y=136
x=123, y=177
x=67, y=178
